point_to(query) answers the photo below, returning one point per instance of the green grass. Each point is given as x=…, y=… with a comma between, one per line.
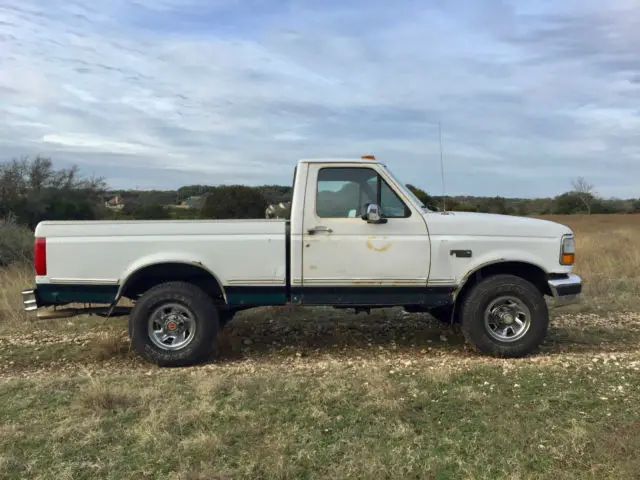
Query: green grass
x=365, y=420
x=343, y=396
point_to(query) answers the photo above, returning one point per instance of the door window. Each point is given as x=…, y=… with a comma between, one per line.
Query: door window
x=343, y=192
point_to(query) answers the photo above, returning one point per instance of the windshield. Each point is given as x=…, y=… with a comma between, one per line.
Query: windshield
x=407, y=191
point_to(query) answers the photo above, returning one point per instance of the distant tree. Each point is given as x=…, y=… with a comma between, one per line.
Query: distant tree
x=184, y=213
x=463, y=206
x=494, y=205
x=540, y=206
x=568, y=203
x=610, y=205
x=151, y=212
x=192, y=191
x=234, y=201
x=522, y=209
x=584, y=192
x=275, y=193
x=423, y=196
x=33, y=190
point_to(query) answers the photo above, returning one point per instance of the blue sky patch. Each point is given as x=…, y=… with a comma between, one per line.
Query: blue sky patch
x=157, y=94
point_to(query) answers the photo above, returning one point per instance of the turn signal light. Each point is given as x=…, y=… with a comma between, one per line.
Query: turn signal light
x=567, y=251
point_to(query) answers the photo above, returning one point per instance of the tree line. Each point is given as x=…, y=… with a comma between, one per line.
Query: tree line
x=32, y=190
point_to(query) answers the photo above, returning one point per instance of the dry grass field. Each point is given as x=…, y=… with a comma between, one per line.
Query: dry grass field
x=608, y=257
x=326, y=394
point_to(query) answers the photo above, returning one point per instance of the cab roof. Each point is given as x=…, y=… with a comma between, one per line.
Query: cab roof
x=364, y=160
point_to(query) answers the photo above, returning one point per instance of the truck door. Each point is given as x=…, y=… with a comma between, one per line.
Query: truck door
x=347, y=260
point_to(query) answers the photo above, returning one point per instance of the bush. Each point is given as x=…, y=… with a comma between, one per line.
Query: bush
x=234, y=202
x=16, y=244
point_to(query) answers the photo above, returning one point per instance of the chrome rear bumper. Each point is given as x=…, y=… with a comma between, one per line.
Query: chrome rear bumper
x=566, y=291
x=41, y=312
x=29, y=300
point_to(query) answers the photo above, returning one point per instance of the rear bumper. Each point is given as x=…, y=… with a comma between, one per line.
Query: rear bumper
x=33, y=304
x=566, y=291
x=29, y=300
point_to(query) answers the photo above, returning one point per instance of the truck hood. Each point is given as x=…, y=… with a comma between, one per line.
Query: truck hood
x=470, y=223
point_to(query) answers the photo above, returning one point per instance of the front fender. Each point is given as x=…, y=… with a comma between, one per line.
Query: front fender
x=492, y=258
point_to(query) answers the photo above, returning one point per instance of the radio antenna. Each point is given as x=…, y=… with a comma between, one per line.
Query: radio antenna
x=444, y=199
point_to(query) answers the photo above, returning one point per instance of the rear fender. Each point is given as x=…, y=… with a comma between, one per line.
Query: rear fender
x=160, y=258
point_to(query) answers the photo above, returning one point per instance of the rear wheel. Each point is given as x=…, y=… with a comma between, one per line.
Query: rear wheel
x=504, y=316
x=174, y=324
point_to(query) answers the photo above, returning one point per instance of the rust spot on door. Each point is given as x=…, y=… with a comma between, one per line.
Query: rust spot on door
x=381, y=248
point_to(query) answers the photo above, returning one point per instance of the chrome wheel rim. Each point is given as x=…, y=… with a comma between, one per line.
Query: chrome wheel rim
x=172, y=326
x=507, y=319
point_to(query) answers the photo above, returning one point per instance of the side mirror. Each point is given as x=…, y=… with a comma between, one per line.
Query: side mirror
x=373, y=214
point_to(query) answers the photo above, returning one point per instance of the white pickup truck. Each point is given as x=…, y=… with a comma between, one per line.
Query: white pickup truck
x=357, y=238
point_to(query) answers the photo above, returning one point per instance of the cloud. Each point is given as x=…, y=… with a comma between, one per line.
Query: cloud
x=163, y=93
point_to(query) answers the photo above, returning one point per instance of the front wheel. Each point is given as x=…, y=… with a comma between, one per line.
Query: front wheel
x=174, y=324
x=505, y=316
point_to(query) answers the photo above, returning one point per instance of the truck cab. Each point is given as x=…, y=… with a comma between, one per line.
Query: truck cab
x=357, y=238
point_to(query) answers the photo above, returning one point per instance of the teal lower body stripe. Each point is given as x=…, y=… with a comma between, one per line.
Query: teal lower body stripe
x=255, y=296
x=53, y=294
x=378, y=296
x=354, y=296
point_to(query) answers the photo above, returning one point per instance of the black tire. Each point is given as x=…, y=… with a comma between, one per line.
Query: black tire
x=203, y=313
x=481, y=296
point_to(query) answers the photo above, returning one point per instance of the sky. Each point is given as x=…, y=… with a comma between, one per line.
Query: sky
x=164, y=93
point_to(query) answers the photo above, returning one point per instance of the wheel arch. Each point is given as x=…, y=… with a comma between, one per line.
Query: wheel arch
x=147, y=275
x=524, y=269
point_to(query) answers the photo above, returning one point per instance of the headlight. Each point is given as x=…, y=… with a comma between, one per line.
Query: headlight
x=567, y=251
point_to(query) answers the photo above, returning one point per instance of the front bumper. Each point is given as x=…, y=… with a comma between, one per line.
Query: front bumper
x=567, y=290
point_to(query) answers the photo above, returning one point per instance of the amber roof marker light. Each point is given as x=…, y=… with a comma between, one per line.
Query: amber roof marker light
x=368, y=157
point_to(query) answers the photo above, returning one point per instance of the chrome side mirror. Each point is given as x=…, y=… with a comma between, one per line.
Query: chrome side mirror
x=373, y=214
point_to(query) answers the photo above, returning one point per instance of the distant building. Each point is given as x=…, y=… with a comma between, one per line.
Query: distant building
x=278, y=210
x=191, y=202
x=114, y=203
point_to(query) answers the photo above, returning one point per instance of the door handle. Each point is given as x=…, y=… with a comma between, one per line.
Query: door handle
x=318, y=229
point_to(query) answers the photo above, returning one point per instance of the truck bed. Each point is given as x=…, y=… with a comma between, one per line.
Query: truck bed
x=240, y=252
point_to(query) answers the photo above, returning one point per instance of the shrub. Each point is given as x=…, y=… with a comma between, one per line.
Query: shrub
x=234, y=201
x=16, y=243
